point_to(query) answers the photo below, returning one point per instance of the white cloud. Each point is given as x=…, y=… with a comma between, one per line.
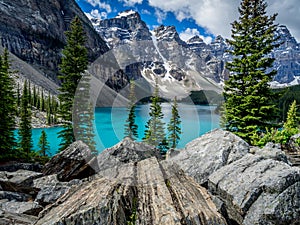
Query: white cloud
x=95, y=14
x=160, y=15
x=101, y=5
x=131, y=2
x=216, y=15
x=288, y=14
x=189, y=33
x=145, y=12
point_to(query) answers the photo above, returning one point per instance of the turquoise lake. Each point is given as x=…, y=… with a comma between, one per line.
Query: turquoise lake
x=109, y=124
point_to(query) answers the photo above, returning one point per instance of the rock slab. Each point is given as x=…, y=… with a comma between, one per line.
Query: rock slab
x=71, y=163
x=208, y=153
x=134, y=186
x=257, y=190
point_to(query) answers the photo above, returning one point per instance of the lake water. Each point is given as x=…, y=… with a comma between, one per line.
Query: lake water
x=109, y=123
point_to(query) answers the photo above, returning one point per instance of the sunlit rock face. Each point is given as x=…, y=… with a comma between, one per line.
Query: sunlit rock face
x=34, y=30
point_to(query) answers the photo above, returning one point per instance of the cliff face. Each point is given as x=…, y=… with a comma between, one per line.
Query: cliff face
x=34, y=30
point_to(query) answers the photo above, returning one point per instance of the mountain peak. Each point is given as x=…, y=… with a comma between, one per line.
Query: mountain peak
x=195, y=40
x=167, y=33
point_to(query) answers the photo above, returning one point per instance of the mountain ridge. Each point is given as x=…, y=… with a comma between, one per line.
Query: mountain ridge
x=211, y=57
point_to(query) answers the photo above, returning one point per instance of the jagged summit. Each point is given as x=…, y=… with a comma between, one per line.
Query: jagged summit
x=127, y=26
x=167, y=33
x=195, y=40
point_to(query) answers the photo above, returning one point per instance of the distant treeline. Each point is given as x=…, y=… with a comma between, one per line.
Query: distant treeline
x=288, y=95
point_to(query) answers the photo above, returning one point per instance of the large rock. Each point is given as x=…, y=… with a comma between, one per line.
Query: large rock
x=20, y=181
x=28, y=208
x=71, y=163
x=51, y=189
x=270, y=151
x=124, y=152
x=151, y=193
x=15, y=196
x=13, y=218
x=256, y=190
x=14, y=166
x=292, y=145
x=208, y=153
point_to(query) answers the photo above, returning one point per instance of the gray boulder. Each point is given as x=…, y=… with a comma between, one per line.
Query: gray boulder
x=15, y=166
x=112, y=160
x=208, y=153
x=12, y=218
x=19, y=181
x=256, y=190
x=28, y=208
x=271, y=151
x=154, y=193
x=51, y=189
x=72, y=163
x=14, y=196
x=292, y=145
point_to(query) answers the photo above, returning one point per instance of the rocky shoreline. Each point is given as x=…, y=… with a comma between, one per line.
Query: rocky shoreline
x=216, y=179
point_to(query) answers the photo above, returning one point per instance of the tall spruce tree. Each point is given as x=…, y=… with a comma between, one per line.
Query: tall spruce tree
x=131, y=128
x=43, y=144
x=83, y=114
x=155, y=133
x=74, y=63
x=25, y=132
x=174, y=128
x=248, y=97
x=7, y=109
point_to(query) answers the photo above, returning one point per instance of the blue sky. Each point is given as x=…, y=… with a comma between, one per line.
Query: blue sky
x=206, y=18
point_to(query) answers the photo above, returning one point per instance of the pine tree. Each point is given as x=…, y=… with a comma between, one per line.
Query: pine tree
x=18, y=95
x=74, y=63
x=174, y=128
x=130, y=126
x=7, y=109
x=38, y=100
x=154, y=133
x=34, y=98
x=25, y=123
x=83, y=114
x=248, y=97
x=292, y=121
x=42, y=102
x=29, y=92
x=43, y=144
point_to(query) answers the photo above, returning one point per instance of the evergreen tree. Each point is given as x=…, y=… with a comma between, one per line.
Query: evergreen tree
x=248, y=97
x=7, y=109
x=25, y=123
x=38, y=100
x=54, y=107
x=292, y=121
x=18, y=95
x=42, y=102
x=174, y=128
x=130, y=125
x=154, y=133
x=34, y=98
x=43, y=144
x=74, y=63
x=29, y=92
x=83, y=114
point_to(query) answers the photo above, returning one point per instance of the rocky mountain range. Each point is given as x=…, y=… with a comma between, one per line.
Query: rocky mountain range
x=33, y=31
x=124, y=48
x=175, y=59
